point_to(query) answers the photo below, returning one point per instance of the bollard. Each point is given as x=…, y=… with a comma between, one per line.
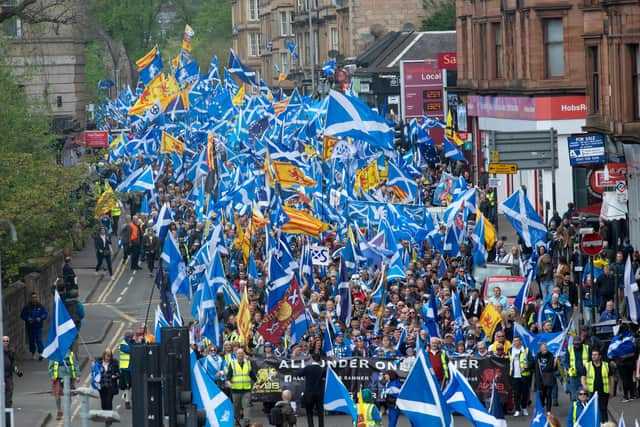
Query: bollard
x=66, y=381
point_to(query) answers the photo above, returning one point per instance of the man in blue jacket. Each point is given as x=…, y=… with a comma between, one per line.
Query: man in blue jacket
x=577, y=406
x=34, y=314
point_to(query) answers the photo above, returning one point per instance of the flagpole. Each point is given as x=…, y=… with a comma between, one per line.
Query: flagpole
x=3, y=418
x=312, y=50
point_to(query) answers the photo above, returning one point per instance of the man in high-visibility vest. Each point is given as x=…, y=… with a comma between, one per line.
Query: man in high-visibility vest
x=125, y=367
x=577, y=357
x=577, y=406
x=372, y=416
x=58, y=371
x=520, y=362
x=241, y=376
x=598, y=378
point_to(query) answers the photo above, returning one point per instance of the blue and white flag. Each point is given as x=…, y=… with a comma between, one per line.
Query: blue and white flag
x=327, y=342
x=524, y=218
x=539, y=417
x=160, y=322
x=480, y=252
x=460, y=321
x=139, y=180
x=431, y=316
x=631, y=292
x=495, y=408
x=164, y=220
x=336, y=396
x=621, y=345
x=299, y=327
x=442, y=268
x=420, y=398
x=207, y=396
x=401, y=340
x=238, y=69
x=345, y=305
x=590, y=416
x=348, y=116
x=178, y=278
x=329, y=67
x=62, y=332
x=523, y=294
x=461, y=398
x=451, y=151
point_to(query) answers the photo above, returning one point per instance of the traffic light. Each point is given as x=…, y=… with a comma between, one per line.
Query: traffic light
x=146, y=385
x=176, y=370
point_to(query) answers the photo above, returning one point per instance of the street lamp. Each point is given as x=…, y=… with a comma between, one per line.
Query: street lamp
x=3, y=415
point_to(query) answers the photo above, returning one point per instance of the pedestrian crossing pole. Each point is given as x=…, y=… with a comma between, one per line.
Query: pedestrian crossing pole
x=3, y=390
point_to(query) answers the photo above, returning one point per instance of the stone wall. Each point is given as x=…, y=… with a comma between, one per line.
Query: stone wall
x=17, y=295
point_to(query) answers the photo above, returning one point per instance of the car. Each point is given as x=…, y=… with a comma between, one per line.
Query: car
x=491, y=269
x=509, y=285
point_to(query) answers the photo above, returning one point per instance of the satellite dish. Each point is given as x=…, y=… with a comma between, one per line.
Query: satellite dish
x=408, y=27
x=377, y=30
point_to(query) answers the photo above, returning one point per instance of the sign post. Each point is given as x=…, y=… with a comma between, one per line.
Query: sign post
x=592, y=244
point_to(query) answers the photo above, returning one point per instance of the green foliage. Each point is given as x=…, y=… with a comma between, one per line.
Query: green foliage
x=94, y=70
x=35, y=192
x=135, y=24
x=442, y=16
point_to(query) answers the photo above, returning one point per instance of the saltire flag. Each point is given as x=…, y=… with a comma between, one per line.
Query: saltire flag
x=161, y=89
x=176, y=267
x=244, y=321
x=523, y=294
x=480, y=252
x=208, y=322
x=301, y=222
x=404, y=187
x=164, y=220
x=489, y=319
x=451, y=151
x=160, y=322
x=621, y=345
x=420, y=398
x=292, y=48
x=299, y=328
x=284, y=312
x=442, y=268
x=631, y=291
x=336, y=396
x=431, y=316
x=401, y=340
x=139, y=180
x=150, y=65
x=495, y=408
x=590, y=416
x=329, y=67
x=288, y=174
x=539, y=417
x=345, y=306
x=451, y=245
x=349, y=116
x=461, y=398
x=524, y=218
x=252, y=270
x=240, y=70
x=170, y=144
x=327, y=341
x=460, y=321
x=554, y=340
x=208, y=397
x=62, y=332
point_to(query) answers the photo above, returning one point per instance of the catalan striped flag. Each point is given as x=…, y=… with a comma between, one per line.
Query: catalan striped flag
x=147, y=59
x=258, y=220
x=288, y=174
x=281, y=106
x=301, y=222
x=170, y=144
x=211, y=151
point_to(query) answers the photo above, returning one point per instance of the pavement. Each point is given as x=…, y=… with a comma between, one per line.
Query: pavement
x=114, y=304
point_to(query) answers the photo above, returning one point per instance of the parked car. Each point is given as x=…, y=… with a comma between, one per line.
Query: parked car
x=509, y=285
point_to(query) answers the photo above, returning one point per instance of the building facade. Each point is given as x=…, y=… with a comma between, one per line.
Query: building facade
x=48, y=60
x=264, y=30
x=521, y=67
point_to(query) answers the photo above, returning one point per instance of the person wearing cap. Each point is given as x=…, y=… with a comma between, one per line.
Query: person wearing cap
x=520, y=362
x=576, y=358
x=449, y=346
x=102, y=243
x=577, y=406
x=371, y=414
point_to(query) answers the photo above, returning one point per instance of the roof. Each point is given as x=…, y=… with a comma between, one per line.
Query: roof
x=385, y=54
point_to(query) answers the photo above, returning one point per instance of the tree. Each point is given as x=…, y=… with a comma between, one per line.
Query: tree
x=442, y=16
x=38, y=11
x=38, y=195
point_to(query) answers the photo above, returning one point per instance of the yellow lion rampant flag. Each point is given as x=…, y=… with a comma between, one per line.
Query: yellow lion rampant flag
x=489, y=319
x=106, y=202
x=161, y=89
x=368, y=177
x=170, y=144
x=288, y=174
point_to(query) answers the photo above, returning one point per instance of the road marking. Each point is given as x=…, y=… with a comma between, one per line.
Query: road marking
x=122, y=314
x=118, y=300
x=130, y=280
x=112, y=283
x=124, y=291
